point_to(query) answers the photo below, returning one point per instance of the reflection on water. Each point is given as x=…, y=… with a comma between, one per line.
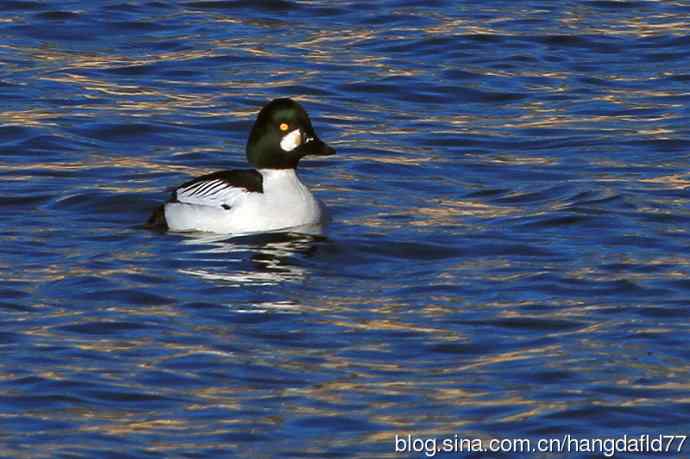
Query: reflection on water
x=508, y=256
x=269, y=256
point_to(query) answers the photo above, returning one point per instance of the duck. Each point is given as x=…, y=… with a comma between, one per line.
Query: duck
x=271, y=197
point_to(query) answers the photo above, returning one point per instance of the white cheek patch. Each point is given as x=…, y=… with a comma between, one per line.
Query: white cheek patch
x=291, y=140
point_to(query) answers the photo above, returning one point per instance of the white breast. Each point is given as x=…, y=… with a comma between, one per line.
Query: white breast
x=285, y=203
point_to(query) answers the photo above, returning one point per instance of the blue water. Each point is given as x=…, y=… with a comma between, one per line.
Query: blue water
x=508, y=257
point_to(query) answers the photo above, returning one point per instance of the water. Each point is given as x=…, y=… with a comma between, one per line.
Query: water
x=509, y=252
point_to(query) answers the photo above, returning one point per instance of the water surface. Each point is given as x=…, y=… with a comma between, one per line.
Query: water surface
x=508, y=257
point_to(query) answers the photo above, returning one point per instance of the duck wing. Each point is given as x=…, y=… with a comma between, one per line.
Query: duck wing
x=219, y=189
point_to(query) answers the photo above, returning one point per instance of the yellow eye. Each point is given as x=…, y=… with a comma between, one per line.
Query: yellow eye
x=283, y=127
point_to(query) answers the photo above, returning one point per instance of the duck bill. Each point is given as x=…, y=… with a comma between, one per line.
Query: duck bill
x=316, y=147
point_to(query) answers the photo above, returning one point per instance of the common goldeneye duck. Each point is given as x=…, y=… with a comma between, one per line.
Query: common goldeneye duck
x=270, y=198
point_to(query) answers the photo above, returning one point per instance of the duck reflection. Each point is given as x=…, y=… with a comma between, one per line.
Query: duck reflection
x=253, y=259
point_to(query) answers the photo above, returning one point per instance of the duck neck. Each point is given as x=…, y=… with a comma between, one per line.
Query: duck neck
x=280, y=178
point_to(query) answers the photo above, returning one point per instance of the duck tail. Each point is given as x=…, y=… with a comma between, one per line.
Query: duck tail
x=157, y=220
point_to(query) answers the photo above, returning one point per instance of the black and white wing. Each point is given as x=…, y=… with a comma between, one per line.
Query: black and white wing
x=220, y=189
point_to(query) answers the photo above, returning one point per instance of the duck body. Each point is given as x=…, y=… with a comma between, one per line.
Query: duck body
x=280, y=201
x=270, y=198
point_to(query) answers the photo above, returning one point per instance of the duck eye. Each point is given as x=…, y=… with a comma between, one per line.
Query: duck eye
x=283, y=127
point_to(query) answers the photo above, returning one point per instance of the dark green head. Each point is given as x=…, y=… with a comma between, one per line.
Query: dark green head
x=282, y=135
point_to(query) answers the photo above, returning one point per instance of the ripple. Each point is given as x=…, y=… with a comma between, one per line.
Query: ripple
x=13, y=133
x=507, y=252
x=58, y=15
x=24, y=202
x=535, y=323
x=133, y=70
x=128, y=296
x=340, y=423
x=119, y=397
x=10, y=5
x=121, y=132
x=102, y=328
x=270, y=5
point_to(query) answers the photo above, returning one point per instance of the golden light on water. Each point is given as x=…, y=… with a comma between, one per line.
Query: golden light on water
x=509, y=206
